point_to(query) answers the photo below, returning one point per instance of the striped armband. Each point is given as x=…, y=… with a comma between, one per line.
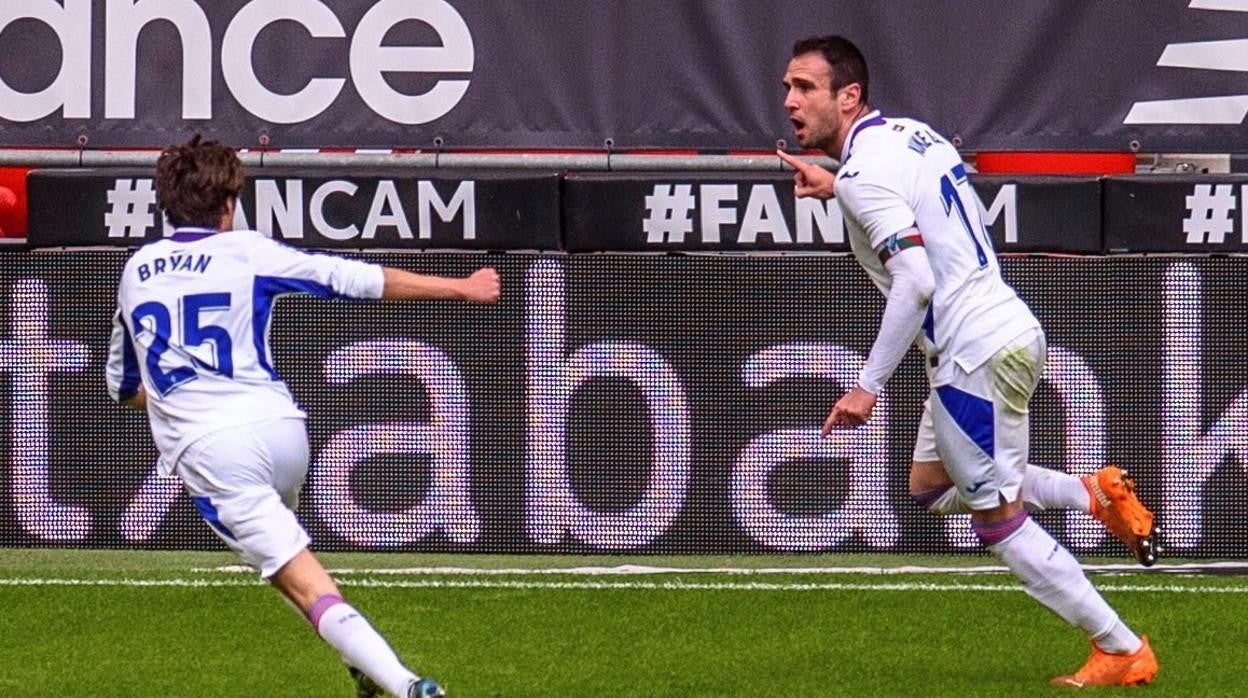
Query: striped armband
x=898, y=242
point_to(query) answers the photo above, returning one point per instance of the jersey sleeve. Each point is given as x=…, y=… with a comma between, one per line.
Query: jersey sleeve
x=875, y=203
x=327, y=276
x=122, y=370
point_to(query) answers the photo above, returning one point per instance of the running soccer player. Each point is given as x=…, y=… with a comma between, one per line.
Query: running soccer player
x=915, y=229
x=190, y=344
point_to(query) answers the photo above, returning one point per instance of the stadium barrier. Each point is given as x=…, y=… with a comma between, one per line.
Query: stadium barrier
x=569, y=210
x=617, y=402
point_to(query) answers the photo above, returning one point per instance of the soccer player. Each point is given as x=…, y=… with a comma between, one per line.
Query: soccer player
x=915, y=229
x=1106, y=494
x=190, y=344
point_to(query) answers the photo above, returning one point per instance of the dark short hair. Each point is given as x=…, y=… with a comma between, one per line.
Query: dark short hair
x=848, y=64
x=195, y=180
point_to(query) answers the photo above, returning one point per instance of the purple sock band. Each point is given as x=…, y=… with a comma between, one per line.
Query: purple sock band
x=927, y=498
x=992, y=533
x=320, y=606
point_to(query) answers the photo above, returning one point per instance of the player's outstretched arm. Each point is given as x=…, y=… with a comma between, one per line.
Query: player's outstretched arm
x=482, y=286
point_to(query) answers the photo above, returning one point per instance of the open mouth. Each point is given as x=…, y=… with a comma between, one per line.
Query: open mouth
x=798, y=125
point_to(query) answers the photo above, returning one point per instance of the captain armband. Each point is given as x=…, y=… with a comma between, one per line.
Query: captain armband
x=898, y=242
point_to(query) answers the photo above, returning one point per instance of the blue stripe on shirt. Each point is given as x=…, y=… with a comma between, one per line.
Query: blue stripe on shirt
x=264, y=294
x=130, y=376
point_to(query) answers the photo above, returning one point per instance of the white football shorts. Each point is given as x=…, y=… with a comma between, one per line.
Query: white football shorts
x=979, y=426
x=245, y=482
x=925, y=439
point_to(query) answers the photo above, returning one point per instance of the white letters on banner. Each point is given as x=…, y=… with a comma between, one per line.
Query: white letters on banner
x=28, y=359
x=125, y=21
x=280, y=211
x=1006, y=202
x=1200, y=427
x=443, y=439
x=863, y=452
x=1194, y=442
x=553, y=510
x=669, y=215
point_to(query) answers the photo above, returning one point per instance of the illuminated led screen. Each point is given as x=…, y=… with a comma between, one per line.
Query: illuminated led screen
x=650, y=404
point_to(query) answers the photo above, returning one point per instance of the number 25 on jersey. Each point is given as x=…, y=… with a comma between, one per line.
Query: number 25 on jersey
x=155, y=317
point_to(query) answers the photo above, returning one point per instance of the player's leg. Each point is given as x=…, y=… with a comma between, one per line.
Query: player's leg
x=234, y=479
x=982, y=433
x=930, y=485
x=932, y=488
x=1112, y=500
x=372, y=662
x=1106, y=494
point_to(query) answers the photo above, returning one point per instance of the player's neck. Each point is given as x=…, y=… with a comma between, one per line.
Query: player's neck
x=847, y=128
x=226, y=222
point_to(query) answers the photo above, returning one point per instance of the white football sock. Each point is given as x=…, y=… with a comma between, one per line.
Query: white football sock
x=1052, y=576
x=1118, y=640
x=362, y=647
x=1044, y=488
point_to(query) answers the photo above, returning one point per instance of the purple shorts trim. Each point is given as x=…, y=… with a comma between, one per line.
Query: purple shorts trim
x=927, y=498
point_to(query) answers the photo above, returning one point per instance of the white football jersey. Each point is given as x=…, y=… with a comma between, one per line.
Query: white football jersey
x=192, y=324
x=897, y=175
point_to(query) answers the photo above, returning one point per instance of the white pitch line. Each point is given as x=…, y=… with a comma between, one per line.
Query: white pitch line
x=624, y=570
x=628, y=570
x=655, y=586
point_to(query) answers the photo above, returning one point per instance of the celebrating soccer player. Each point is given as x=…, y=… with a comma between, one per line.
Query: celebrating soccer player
x=190, y=344
x=915, y=228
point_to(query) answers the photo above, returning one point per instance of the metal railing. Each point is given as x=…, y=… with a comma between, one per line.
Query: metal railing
x=584, y=162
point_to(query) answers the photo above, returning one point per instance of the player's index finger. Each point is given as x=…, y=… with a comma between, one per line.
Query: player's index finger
x=794, y=161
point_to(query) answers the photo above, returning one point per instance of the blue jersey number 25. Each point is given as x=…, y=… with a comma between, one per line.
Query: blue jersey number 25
x=953, y=202
x=193, y=334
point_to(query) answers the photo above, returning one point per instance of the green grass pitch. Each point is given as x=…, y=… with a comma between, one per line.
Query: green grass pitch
x=138, y=623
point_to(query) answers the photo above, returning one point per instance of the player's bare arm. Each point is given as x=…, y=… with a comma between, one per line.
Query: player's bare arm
x=811, y=179
x=482, y=286
x=138, y=401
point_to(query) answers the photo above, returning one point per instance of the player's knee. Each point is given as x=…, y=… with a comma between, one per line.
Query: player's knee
x=931, y=487
x=928, y=475
x=941, y=501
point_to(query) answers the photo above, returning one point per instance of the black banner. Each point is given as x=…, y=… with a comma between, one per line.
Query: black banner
x=758, y=212
x=1041, y=214
x=343, y=210
x=654, y=404
x=1159, y=213
x=696, y=212
x=435, y=74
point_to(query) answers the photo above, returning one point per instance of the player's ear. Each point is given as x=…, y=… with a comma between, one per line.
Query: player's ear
x=227, y=214
x=850, y=96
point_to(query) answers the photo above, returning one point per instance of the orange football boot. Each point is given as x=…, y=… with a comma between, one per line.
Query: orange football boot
x=1114, y=503
x=1105, y=669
